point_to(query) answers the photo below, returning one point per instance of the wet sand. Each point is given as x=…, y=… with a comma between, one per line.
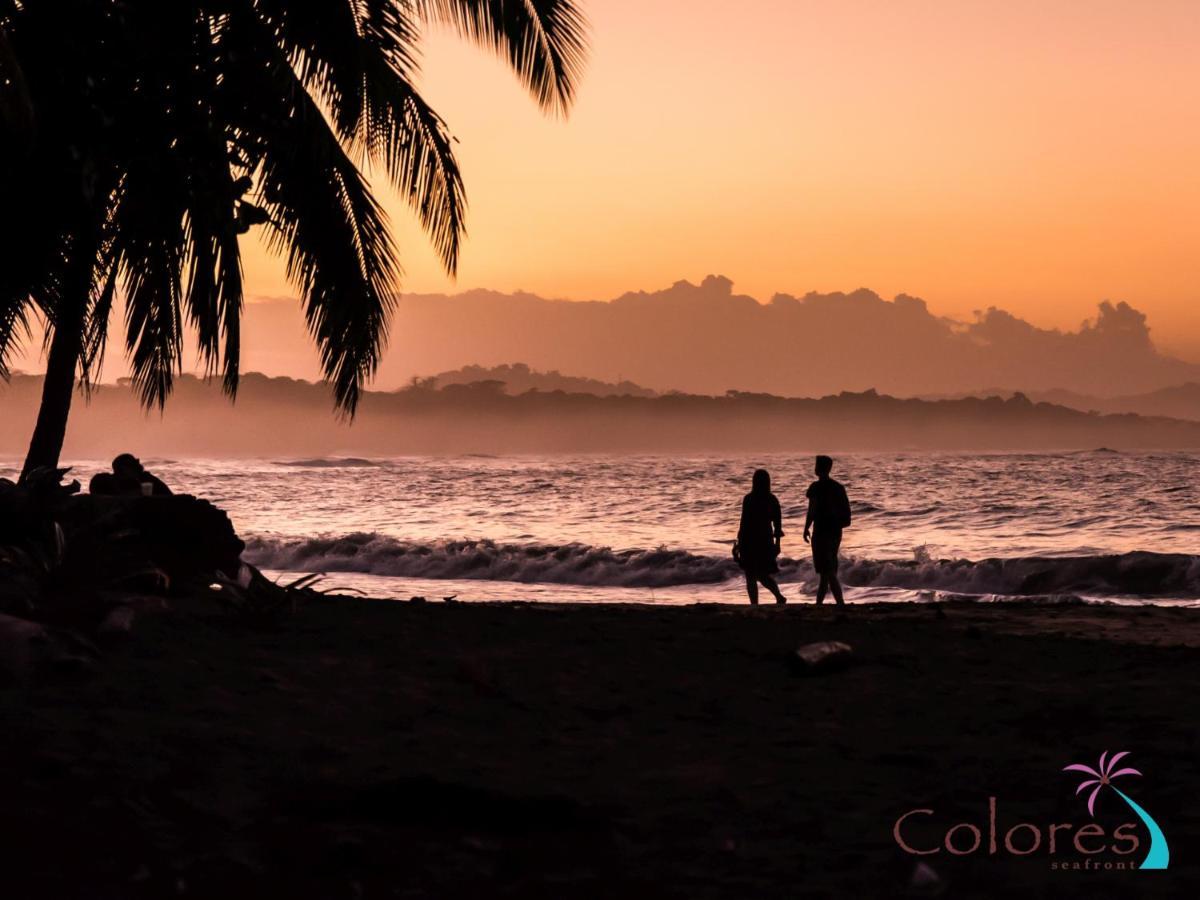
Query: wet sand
x=373, y=749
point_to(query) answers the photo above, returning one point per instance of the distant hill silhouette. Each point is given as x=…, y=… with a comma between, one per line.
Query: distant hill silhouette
x=1179, y=402
x=518, y=378
x=286, y=418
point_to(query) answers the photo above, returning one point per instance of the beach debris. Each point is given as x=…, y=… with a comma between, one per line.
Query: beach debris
x=823, y=656
x=256, y=598
x=452, y=598
x=925, y=881
x=19, y=643
x=119, y=621
x=26, y=646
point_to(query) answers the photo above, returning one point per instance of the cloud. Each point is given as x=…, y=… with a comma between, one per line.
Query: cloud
x=706, y=338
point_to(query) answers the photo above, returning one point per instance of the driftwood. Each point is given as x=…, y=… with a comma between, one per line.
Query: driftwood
x=823, y=656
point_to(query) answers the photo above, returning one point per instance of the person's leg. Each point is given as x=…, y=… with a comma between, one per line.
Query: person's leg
x=819, y=555
x=752, y=589
x=836, y=587
x=773, y=586
x=835, y=583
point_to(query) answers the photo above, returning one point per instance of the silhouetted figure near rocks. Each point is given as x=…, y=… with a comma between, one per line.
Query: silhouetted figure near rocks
x=128, y=478
x=828, y=514
x=759, y=538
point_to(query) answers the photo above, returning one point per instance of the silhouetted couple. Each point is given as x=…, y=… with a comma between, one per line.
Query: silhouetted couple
x=760, y=534
x=128, y=478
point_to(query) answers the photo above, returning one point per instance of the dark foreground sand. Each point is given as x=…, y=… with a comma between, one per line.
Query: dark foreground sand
x=368, y=749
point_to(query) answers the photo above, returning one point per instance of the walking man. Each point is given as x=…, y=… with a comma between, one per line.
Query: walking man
x=828, y=514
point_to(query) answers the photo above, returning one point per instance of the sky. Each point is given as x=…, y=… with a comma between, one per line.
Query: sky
x=1037, y=156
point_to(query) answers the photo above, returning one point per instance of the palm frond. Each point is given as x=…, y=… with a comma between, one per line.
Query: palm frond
x=358, y=60
x=323, y=44
x=14, y=329
x=214, y=287
x=340, y=256
x=323, y=218
x=148, y=227
x=545, y=41
x=95, y=339
x=404, y=133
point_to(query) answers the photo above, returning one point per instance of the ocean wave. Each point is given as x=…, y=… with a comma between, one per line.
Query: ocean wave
x=485, y=560
x=332, y=462
x=1137, y=574
x=1034, y=599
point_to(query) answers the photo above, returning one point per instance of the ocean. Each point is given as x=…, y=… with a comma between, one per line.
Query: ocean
x=1068, y=527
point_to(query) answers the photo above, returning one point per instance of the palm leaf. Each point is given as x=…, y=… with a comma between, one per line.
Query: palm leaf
x=359, y=62
x=95, y=338
x=322, y=217
x=545, y=41
x=412, y=142
x=215, y=286
x=148, y=226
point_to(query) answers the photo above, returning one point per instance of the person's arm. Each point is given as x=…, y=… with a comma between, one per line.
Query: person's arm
x=777, y=522
x=808, y=518
x=160, y=488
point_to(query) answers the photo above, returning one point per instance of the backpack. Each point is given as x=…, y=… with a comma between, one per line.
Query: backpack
x=841, y=506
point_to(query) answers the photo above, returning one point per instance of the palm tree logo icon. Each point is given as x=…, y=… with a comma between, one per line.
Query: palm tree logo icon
x=1101, y=777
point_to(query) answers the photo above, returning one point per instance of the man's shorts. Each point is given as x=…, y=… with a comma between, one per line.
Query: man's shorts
x=825, y=546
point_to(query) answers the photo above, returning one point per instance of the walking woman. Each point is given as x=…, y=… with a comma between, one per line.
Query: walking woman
x=758, y=538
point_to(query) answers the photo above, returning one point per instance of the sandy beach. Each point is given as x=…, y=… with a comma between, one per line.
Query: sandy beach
x=376, y=749
x=577, y=327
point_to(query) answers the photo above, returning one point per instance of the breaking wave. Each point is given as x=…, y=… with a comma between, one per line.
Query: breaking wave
x=1138, y=574
x=343, y=462
x=485, y=560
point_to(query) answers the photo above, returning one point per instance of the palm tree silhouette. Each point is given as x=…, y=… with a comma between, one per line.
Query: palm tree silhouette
x=15, y=111
x=1101, y=777
x=164, y=132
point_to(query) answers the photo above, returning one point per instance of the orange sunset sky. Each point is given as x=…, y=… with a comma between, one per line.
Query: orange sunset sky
x=1037, y=156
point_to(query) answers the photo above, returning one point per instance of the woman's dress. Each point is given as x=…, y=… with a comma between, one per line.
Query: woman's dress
x=761, y=521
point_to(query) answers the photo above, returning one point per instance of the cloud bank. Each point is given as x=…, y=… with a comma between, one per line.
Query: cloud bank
x=708, y=339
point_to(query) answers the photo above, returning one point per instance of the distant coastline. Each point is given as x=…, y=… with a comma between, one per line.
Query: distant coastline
x=286, y=416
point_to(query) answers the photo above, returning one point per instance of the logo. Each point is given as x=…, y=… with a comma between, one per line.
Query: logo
x=1101, y=777
x=1087, y=846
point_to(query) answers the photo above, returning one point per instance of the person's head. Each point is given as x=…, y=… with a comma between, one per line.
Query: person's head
x=824, y=466
x=762, y=481
x=127, y=465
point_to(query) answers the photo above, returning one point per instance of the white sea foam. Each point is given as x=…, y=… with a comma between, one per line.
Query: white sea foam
x=1137, y=574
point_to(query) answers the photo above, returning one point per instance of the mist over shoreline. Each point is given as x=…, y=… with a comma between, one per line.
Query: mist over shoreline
x=288, y=418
